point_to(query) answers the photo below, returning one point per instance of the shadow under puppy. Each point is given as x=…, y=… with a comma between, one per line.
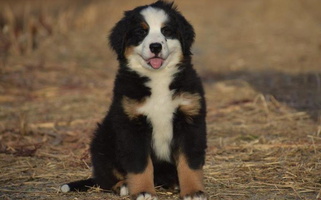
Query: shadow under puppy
x=155, y=132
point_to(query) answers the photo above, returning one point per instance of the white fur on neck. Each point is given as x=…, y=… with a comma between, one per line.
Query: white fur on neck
x=159, y=109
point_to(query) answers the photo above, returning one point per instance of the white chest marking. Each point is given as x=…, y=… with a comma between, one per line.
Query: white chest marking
x=159, y=109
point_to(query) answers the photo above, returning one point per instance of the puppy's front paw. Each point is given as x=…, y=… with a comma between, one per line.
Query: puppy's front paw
x=196, y=196
x=143, y=196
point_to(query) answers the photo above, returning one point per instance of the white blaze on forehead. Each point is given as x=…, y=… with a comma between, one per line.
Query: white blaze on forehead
x=154, y=17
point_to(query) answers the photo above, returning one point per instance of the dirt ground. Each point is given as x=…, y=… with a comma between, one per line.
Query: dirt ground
x=260, y=61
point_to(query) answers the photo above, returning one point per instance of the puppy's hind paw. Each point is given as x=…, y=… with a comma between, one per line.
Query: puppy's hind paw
x=123, y=191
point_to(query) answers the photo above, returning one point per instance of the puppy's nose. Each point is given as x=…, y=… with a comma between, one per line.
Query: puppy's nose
x=155, y=48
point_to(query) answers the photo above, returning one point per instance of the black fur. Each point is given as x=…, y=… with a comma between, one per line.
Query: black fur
x=124, y=144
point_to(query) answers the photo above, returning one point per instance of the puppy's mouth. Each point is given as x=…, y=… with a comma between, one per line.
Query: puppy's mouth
x=155, y=62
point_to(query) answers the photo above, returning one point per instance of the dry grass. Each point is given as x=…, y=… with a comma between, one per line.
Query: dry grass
x=260, y=62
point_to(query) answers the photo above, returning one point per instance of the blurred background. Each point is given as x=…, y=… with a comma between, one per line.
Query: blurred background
x=260, y=62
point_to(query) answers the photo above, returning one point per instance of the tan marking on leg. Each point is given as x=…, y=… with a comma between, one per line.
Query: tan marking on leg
x=116, y=187
x=131, y=106
x=121, y=180
x=190, y=180
x=142, y=182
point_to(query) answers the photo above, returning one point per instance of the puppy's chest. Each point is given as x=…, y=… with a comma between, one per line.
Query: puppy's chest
x=159, y=109
x=160, y=105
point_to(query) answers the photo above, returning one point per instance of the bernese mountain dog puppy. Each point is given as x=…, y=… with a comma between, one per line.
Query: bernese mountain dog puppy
x=154, y=133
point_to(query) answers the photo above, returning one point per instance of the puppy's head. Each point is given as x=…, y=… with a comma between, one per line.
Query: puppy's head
x=153, y=37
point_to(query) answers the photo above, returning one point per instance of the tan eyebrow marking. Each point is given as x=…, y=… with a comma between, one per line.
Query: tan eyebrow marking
x=144, y=25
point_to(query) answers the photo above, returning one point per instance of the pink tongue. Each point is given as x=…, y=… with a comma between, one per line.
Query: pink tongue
x=156, y=62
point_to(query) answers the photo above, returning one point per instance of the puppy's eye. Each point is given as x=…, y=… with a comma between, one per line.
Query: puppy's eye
x=141, y=32
x=167, y=31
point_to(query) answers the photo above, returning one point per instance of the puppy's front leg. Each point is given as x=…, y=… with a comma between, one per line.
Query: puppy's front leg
x=141, y=185
x=190, y=180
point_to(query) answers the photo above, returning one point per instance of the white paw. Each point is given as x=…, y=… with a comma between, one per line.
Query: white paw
x=146, y=196
x=65, y=188
x=196, y=196
x=124, y=191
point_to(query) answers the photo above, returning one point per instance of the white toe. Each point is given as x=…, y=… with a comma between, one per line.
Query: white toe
x=124, y=191
x=146, y=196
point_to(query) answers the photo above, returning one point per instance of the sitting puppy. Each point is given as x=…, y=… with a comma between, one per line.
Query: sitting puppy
x=155, y=131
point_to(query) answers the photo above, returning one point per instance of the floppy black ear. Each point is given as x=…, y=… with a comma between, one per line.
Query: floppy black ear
x=186, y=34
x=118, y=36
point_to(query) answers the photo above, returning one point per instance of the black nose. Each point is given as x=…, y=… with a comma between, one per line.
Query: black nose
x=155, y=47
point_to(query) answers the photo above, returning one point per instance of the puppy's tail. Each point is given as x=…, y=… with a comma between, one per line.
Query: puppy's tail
x=82, y=185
